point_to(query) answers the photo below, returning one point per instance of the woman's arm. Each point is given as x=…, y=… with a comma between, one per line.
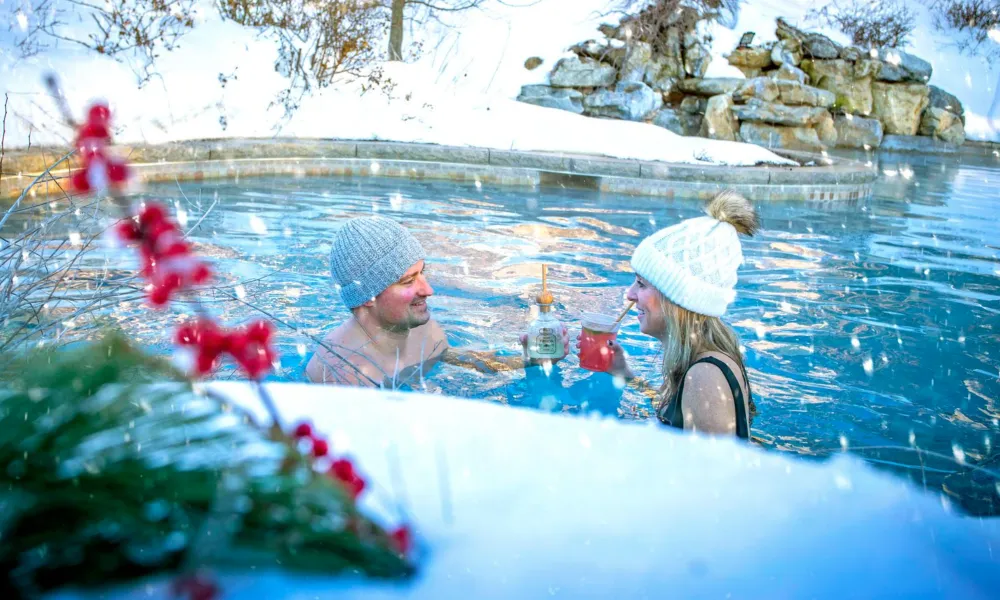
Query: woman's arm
x=620, y=368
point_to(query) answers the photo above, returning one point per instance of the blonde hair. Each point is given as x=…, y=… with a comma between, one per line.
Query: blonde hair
x=690, y=334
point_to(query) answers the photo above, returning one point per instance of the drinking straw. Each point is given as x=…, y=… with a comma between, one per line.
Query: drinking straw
x=625, y=312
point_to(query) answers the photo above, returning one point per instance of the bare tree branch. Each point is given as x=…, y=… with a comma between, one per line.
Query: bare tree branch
x=969, y=23
x=438, y=7
x=27, y=189
x=318, y=41
x=121, y=29
x=425, y=10
x=872, y=23
x=3, y=136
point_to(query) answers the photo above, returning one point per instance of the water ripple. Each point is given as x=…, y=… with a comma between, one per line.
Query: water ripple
x=870, y=324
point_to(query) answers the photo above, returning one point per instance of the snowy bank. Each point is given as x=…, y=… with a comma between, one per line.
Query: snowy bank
x=220, y=83
x=412, y=109
x=415, y=111
x=513, y=503
x=190, y=100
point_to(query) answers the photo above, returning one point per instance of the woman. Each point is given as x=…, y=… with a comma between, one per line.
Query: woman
x=685, y=280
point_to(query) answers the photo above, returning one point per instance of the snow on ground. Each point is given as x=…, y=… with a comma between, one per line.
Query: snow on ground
x=189, y=102
x=418, y=112
x=459, y=92
x=515, y=503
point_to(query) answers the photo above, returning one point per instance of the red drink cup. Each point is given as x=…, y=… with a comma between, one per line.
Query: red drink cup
x=595, y=353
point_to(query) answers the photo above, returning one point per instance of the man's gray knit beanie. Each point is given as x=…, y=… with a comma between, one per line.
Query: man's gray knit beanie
x=369, y=254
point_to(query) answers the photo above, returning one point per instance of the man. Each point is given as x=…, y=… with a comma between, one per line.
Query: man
x=391, y=338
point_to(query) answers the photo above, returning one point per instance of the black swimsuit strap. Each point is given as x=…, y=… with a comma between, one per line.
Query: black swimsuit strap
x=675, y=416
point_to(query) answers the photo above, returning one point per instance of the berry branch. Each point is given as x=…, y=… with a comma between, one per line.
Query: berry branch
x=172, y=270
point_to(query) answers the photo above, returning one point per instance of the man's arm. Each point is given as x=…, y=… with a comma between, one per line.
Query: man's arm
x=643, y=387
x=490, y=361
x=484, y=361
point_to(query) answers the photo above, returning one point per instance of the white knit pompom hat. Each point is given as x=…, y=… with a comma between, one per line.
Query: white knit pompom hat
x=694, y=263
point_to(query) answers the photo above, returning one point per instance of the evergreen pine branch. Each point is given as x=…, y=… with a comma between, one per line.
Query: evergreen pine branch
x=112, y=467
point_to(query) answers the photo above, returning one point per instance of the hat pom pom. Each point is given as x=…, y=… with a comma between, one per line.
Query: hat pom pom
x=730, y=207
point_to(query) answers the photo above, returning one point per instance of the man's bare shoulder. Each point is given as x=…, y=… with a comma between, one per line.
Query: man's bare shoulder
x=340, y=357
x=434, y=337
x=434, y=330
x=347, y=335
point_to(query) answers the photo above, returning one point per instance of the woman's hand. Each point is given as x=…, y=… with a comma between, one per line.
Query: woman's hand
x=528, y=362
x=619, y=360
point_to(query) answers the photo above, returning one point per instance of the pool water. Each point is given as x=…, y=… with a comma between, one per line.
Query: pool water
x=870, y=327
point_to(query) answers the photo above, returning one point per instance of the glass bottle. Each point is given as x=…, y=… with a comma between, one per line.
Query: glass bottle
x=545, y=332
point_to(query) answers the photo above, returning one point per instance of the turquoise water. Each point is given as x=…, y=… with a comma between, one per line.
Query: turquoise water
x=870, y=326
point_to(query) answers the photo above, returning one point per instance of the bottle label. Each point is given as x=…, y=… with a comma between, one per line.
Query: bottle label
x=546, y=343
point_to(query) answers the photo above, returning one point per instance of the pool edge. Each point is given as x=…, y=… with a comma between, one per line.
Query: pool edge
x=828, y=178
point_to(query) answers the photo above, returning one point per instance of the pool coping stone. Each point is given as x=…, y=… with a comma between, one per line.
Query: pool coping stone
x=837, y=178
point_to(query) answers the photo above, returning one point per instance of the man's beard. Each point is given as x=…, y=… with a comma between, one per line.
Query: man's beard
x=416, y=319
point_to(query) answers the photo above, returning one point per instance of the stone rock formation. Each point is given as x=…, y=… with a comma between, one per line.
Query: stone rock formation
x=575, y=72
x=858, y=132
x=719, y=122
x=629, y=100
x=552, y=97
x=802, y=91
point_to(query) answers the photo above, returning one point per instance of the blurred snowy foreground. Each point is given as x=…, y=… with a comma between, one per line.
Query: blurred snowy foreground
x=512, y=503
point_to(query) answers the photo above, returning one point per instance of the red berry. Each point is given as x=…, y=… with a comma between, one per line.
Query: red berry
x=152, y=213
x=303, y=430
x=80, y=182
x=186, y=335
x=93, y=132
x=128, y=231
x=99, y=114
x=201, y=273
x=320, y=447
x=259, y=331
x=160, y=295
x=402, y=540
x=343, y=471
x=117, y=172
x=195, y=587
x=205, y=363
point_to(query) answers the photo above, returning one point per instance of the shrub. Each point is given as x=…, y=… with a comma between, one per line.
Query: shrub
x=969, y=22
x=658, y=21
x=870, y=23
